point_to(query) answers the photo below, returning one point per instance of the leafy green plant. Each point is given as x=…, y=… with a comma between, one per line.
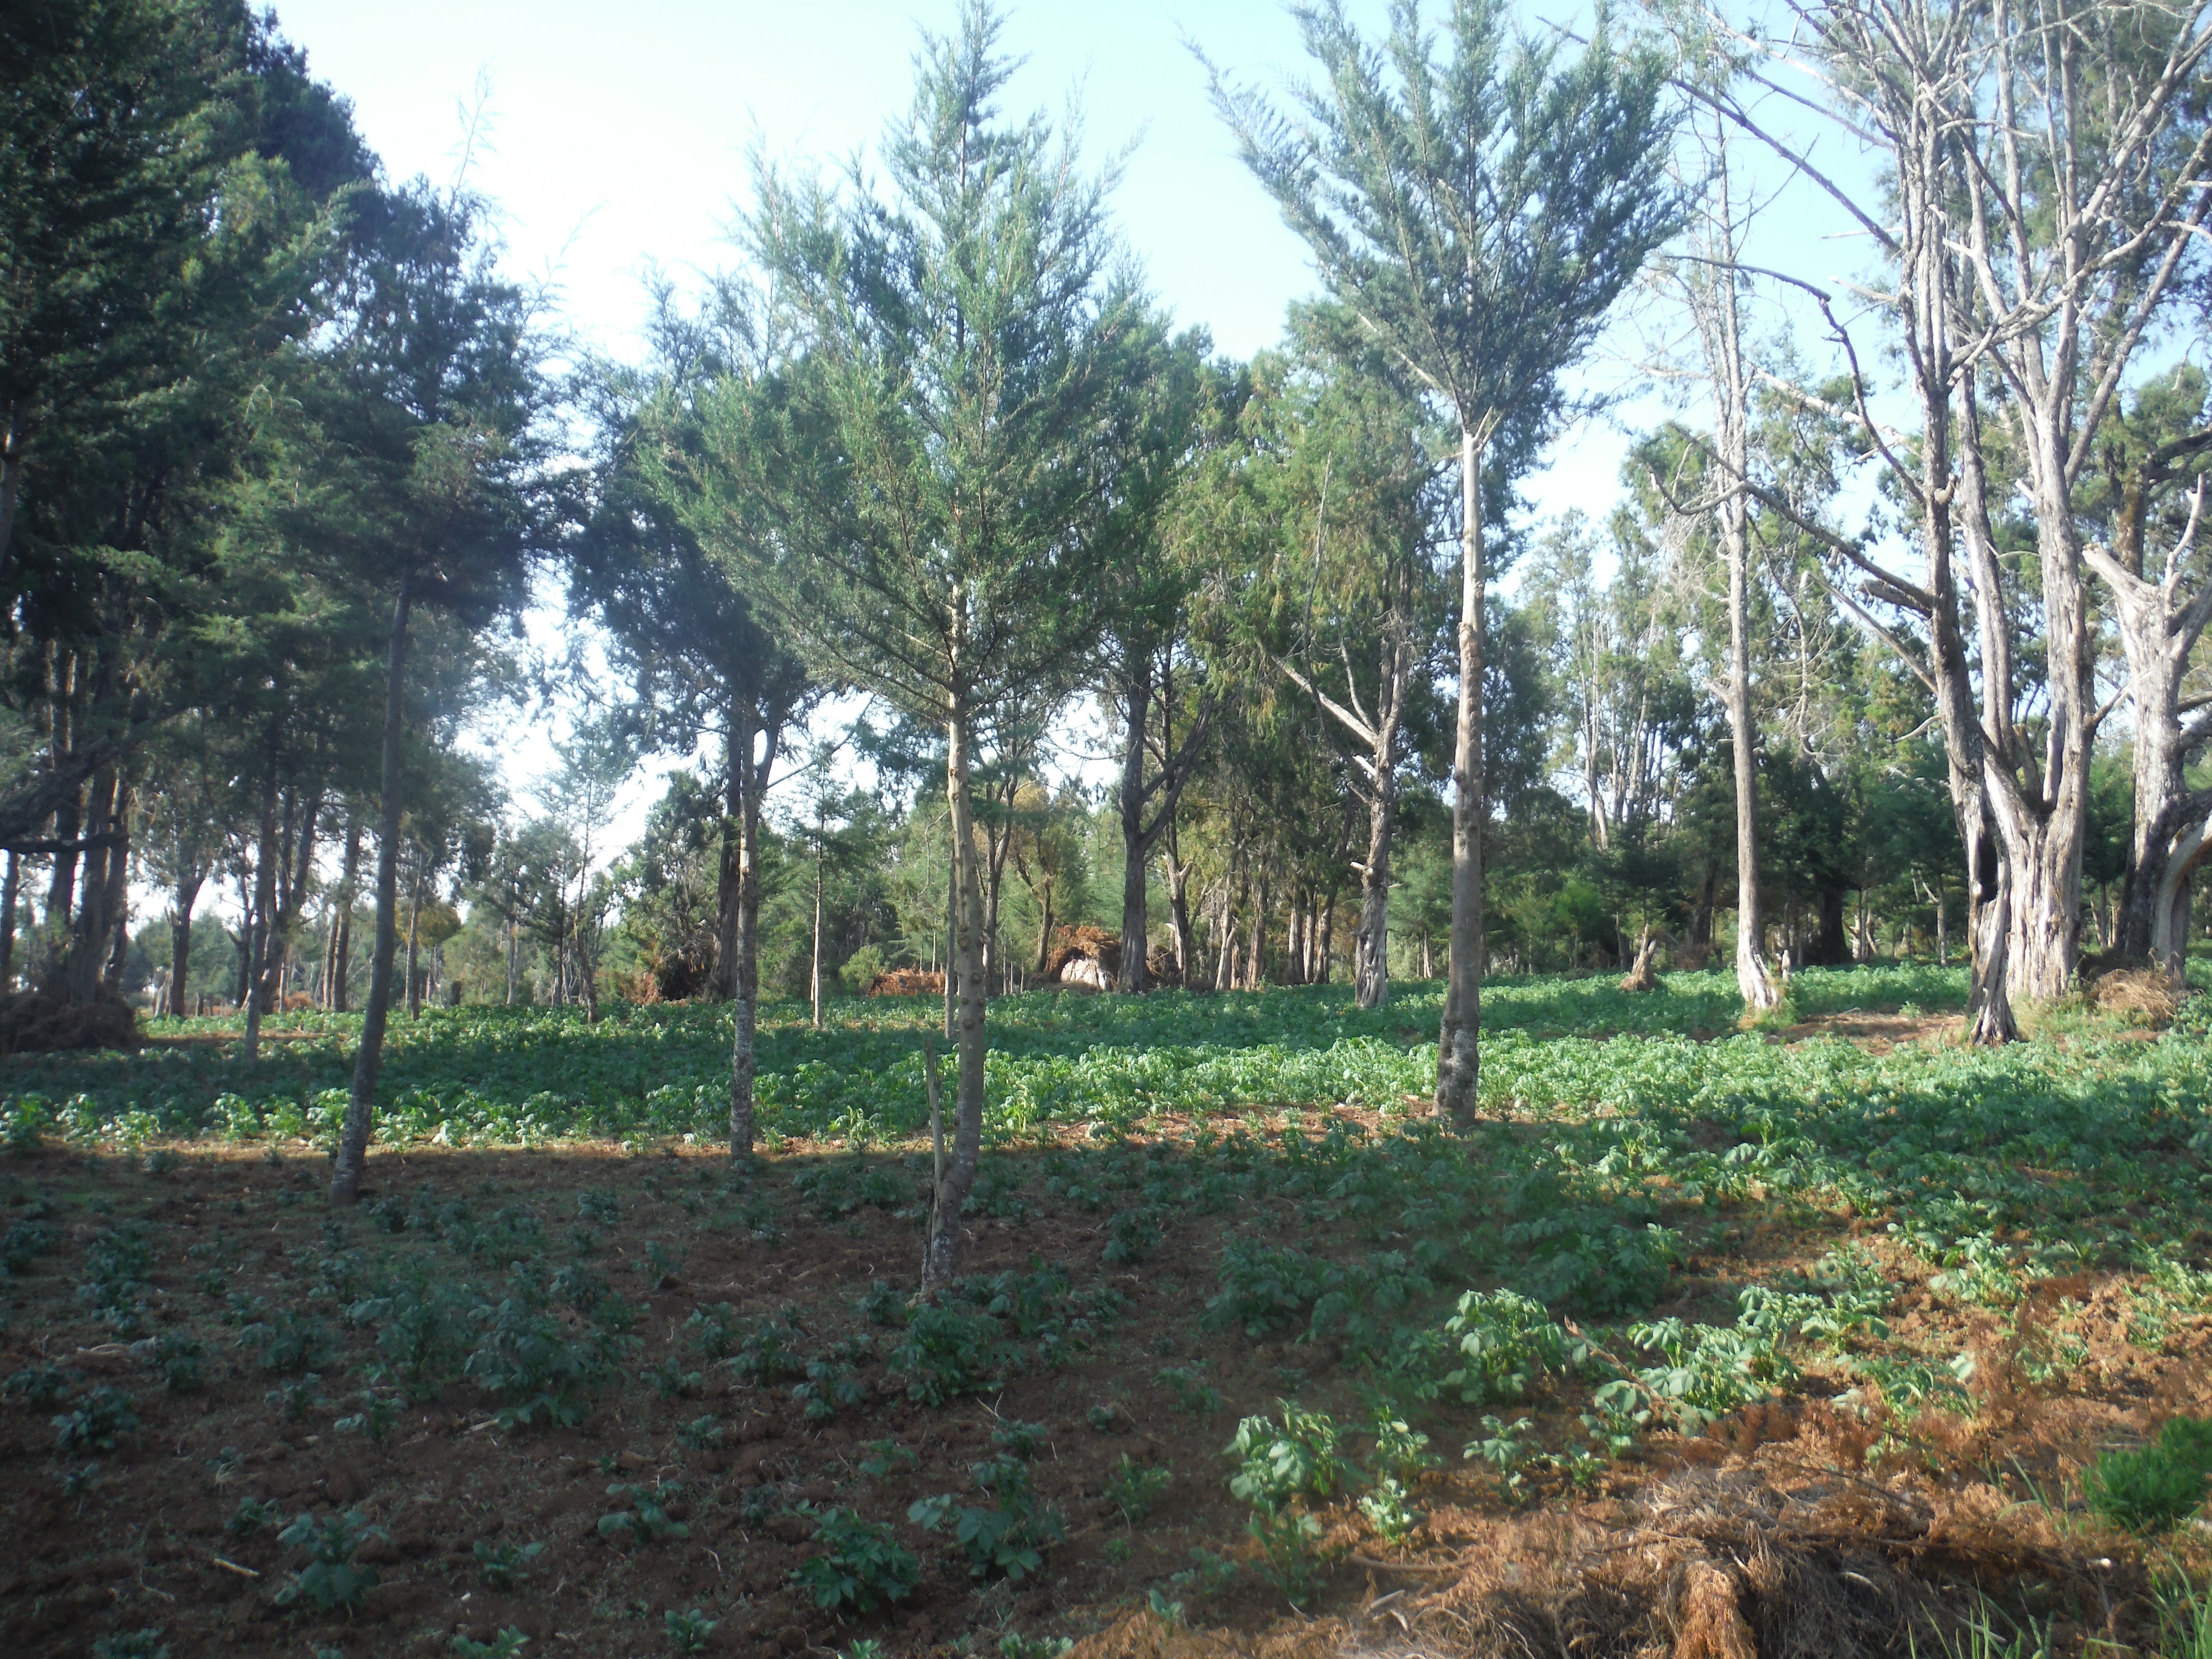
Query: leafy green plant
x=672, y=1381
x=645, y=1518
x=40, y=1386
x=131, y=1644
x=1288, y=1557
x=770, y=1352
x=861, y=1565
x=181, y=1361
x=1298, y=1458
x=253, y=1515
x=688, y=1629
x=505, y=1643
x=2164, y=1483
x=331, y=1579
x=1010, y=1537
x=886, y=1458
x=505, y=1567
x=713, y=1331
x=105, y=1417
x=1192, y=1393
x=527, y=1360
x=1135, y=1489
x=701, y=1433
x=949, y=1351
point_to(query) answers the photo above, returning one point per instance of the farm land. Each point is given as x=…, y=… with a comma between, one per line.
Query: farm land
x=1702, y=1336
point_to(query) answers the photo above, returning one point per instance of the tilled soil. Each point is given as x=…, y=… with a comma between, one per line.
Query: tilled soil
x=144, y=1534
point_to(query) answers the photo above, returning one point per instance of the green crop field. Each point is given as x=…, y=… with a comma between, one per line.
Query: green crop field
x=1244, y=1329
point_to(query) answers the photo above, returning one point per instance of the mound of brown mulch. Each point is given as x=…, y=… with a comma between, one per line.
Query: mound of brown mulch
x=1083, y=944
x=907, y=982
x=2146, y=993
x=33, y=1023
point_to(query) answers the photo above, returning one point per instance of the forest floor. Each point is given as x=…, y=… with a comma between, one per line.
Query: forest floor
x=1716, y=1346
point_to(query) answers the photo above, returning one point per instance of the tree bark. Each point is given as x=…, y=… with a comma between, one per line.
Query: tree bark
x=942, y=1258
x=751, y=787
x=1458, y=1054
x=1178, y=875
x=349, y=893
x=10, y=889
x=368, y=1059
x=264, y=905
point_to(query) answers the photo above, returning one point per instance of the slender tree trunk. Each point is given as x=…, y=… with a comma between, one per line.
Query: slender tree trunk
x=82, y=964
x=1458, y=1057
x=942, y=1259
x=119, y=898
x=264, y=905
x=1177, y=874
x=1328, y=965
x=1371, y=959
x=730, y=874
x=752, y=779
x=821, y=828
x=10, y=888
x=952, y=932
x=368, y=1059
x=414, y=937
x=348, y=896
x=1136, y=918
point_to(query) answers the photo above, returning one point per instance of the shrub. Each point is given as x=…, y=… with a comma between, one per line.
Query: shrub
x=647, y=1519
x=1298, y=1459
x=2164, y=1483
x=1505, y=1341
x=861, y=1565
x=105, y=1417
x=504, y=1566
x=949, y=1351
x=329, y=1579
x=1134, y=1489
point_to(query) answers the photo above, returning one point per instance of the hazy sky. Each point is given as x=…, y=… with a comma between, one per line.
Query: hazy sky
x=614, y=141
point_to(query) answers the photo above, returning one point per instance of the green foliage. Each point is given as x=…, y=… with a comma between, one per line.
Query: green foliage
x=505, y=1643
x=39, y=1386
x=131, y=1644
x=2164, y=1483
x=1504, y=1341
x=252, y=1515
x=645, y=1517
x=106, y=1417
x=688, y=1629
x=331, y=1579
x=861, y=1565
x=1192, y=1392
x=505, y=1567
x=1289, y=1557
x=1134, y=1489
x=527, y=1360
x=949, y=1351
x=1009, y=1538
x=1276, y=1463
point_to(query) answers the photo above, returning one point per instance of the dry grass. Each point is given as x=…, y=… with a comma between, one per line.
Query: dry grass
x=2143, y=993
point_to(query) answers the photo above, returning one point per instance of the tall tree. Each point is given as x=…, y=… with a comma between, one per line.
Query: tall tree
x=437, y=401
x=1480, y=214
x=934, y=465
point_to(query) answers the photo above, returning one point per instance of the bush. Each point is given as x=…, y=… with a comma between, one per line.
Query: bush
x=861, y=1565
x=2164, y=1483
x=1275, y=1464
x=329, y=1579
x=949, y=1351
x=1505, y=1341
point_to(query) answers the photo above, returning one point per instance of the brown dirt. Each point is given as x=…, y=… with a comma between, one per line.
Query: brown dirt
x=1786, y=1513
x=1876, y=1033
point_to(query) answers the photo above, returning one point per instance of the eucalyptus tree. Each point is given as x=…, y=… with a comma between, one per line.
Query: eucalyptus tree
x=2041, y=205
x=1478, y=212
x=1175, y=410
x=933, y=464
x=703, y=666
x=1328, y=504
x=436, y=401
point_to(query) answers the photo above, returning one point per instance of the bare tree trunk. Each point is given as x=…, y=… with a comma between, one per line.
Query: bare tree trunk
x=1458, y=1055
x=348, y=896
x=1371, y=949
x=264, y=904
x=10, y=888
x=413, y=936
x=752, y=789
x=821, y=828
x=1136, y=914
x=1177, y=874
x=368, y=1059
x=942, y=1259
